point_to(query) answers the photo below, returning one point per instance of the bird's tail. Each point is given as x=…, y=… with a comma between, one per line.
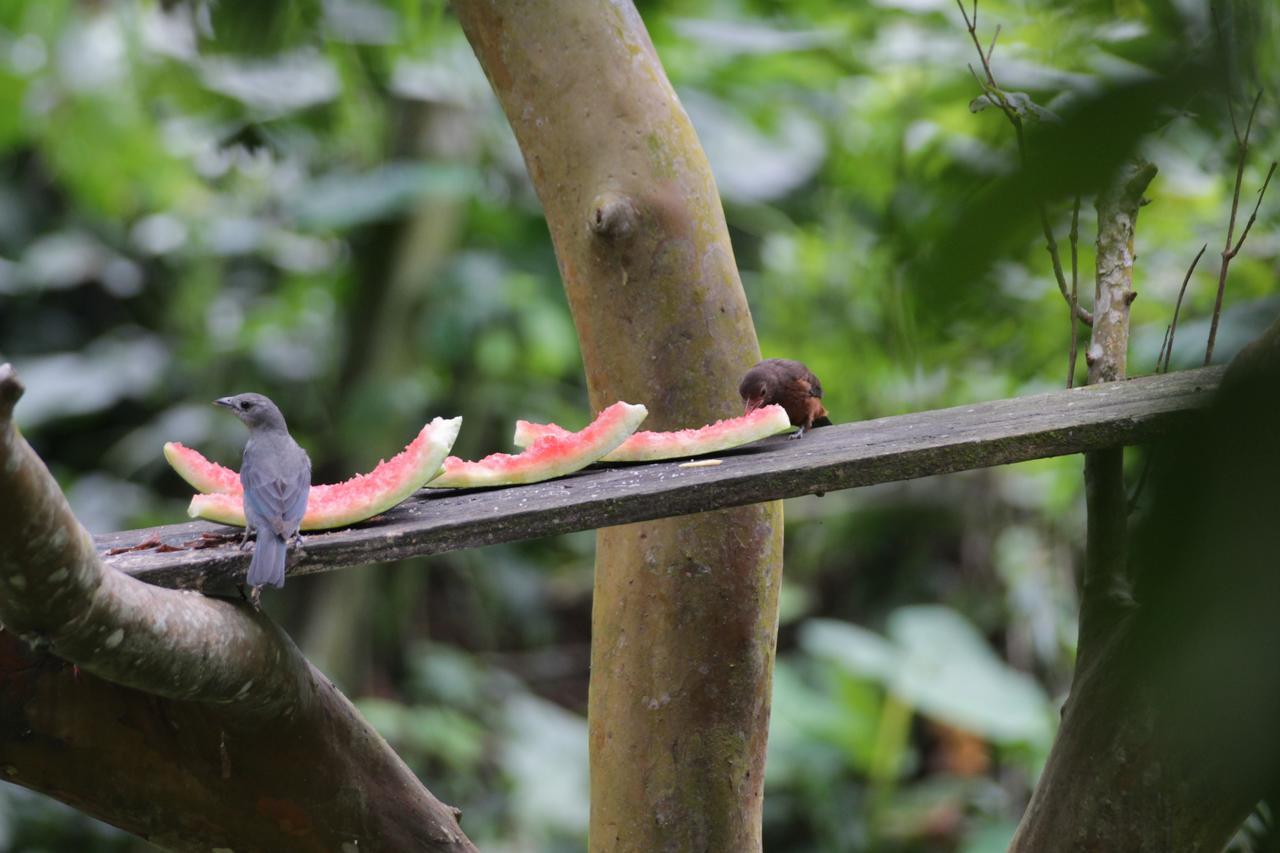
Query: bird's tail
x=822, y=421
x=267, y=566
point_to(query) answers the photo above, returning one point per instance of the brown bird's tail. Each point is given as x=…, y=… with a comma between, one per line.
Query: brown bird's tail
x=822, y=421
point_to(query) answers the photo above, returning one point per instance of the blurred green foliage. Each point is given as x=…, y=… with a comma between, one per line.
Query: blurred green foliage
x=322, y=201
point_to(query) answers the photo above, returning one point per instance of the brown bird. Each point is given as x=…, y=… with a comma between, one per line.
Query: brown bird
x=789, y=384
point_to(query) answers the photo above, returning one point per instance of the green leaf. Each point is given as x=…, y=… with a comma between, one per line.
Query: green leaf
x=949, y=672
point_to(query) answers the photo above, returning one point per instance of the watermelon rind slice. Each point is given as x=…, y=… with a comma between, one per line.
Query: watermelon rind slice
x=201, y=474
x=678, y=444
x=549, y=456
x=330, y=505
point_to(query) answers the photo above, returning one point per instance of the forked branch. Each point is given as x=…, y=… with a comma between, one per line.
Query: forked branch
x=1230, y=249
x=997, y=96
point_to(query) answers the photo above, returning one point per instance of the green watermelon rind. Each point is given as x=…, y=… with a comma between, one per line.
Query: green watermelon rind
x=678, y=444
x=550, y=457
x=404, y=474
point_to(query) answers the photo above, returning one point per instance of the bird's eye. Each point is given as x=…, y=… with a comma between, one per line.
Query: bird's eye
x=244, y=405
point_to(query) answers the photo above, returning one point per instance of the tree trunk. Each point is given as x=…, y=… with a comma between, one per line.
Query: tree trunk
x=1106, y=593
x=1151, y=755
x=1169, y=738
x=685, y=610
x=1088, y=715
x=191, y=721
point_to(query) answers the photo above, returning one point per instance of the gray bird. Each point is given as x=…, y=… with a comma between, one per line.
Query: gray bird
x=276, y=475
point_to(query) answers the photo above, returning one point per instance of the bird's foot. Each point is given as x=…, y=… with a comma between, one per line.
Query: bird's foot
x=246, y=539
x=255, y=598
x=296, y=541
x=799, y=432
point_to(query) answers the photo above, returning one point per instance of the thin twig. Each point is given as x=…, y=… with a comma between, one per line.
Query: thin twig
x=1168, y=330
x=978, y=80
x=1229, y=249
x=1254, y=216
x=997, y=97
x=990, y=86
x=1177, y=308
x=1253, y=110
x=1074, y=237
x=992, y=48
x=1162, y=366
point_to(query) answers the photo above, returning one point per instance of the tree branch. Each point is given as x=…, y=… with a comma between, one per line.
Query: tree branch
x=57, y=593
x=1168, y=739
x=1074, y=236
x=1163, y=366
x=1235, y=250
x=997, y=96
x=214, y=664
x=1230, y=249
x=1113, y=293
x=1106, y=595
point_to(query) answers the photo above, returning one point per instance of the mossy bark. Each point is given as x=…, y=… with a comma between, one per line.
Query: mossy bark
x=685, y=609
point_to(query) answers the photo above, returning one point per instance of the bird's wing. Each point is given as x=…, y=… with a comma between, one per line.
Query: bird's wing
x=280, y=501
x=815, y=387
x=797, y=371
x=299, y=489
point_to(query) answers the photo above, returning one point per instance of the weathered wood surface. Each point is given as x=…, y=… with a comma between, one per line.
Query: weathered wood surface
x=844, y=456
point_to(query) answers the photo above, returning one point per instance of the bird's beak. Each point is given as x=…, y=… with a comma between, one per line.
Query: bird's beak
x=224, y=401
x=752, y=405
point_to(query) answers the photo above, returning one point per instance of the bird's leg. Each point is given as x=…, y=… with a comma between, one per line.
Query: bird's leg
x=255, y=597
x=244, y=540
x=799, y=432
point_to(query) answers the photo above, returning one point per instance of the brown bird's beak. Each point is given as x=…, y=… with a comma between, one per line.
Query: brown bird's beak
x=752, y=404
x=224, y=401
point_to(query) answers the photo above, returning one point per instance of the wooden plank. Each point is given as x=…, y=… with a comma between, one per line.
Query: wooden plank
x=838, y=457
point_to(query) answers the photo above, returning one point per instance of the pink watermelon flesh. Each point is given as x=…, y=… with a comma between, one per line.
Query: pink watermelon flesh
x=547, y=457
x=330, y=505
x=200, y=473
x=652, y=446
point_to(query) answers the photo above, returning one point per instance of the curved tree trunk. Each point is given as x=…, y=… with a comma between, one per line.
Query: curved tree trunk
x=191, y=721
x=685, y=610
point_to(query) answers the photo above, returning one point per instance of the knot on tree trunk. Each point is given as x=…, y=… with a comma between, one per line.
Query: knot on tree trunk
x=11, y=389
x=614, y=215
